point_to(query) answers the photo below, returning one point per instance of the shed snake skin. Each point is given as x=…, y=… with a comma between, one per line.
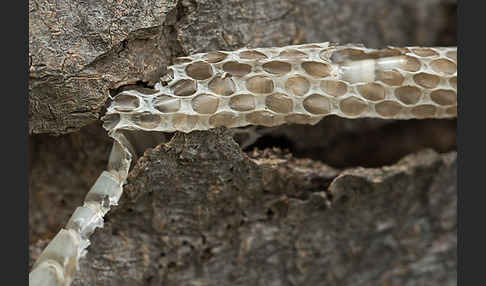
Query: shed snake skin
x=263, y=86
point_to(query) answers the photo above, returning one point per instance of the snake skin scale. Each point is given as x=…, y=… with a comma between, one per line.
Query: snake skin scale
x=294, y=84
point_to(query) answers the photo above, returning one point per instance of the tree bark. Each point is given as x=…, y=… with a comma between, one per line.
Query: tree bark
x=199, y=210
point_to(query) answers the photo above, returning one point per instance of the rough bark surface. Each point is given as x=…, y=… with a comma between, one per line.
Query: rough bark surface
x=81, y=50
x=198, y=211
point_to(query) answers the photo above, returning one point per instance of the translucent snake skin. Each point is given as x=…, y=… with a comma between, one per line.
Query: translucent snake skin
x=263, y=86
x=293, y=84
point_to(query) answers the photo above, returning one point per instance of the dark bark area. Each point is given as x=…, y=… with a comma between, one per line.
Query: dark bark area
x=62, y=170
x=199, y=211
